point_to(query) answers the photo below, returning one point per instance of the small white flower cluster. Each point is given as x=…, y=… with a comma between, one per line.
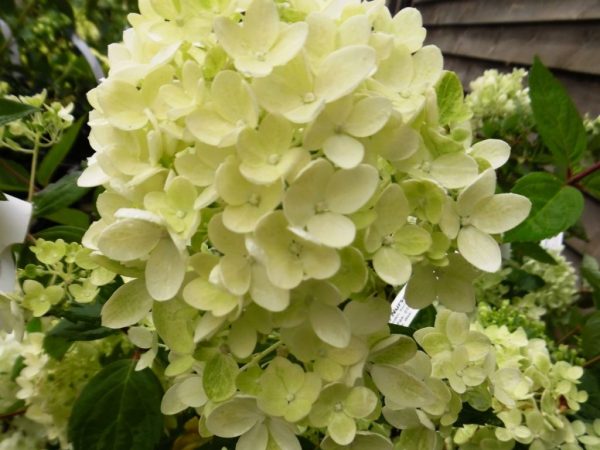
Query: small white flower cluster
x=496, y=96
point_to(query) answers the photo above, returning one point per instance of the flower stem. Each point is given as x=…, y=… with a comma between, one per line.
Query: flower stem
x=34, y=161
x=584, y=173
x=260, y=356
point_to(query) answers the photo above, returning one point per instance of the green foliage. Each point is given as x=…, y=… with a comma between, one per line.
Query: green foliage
x=11, y=110
x=590, y=336
x=58, y=195
x=555, y=207
x=452, y=108
x=557, y=120
x=119, y=409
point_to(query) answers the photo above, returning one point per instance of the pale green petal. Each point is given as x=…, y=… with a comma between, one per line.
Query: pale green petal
x=396, y=72
x=174, y=322
x=392, y=209
x=401, y=387
x=242, y=339
x=412, y=240
x=500, y=213
x=341, y=428
x=368, y=116
x=367, y=317
x=225, y=240
x=191, y=393
x=122, y=104
x=235, y=273
x=457, y=328
x=483, y=187
x=203, y=295
x=349, y=190
x=209, y=127
x=454, y=170
x=230, y=36
x=233, y=418
x=165, y=270
x=343, y=150
x=257, y=438
x=320, y=262
x=343, y=70
x=171, y=404
x=129, y=239
x=319, y=130
x=331, y=229
x=265, y=294
x=233, y=99
x=494, y=151
x=421, y=288
x=428, y=64
x=392, y=266
x=128, y=305
x=261, y=25
x=290, y=42
x=283, y=434
x=480, y=249
x=330, y=324
x=361, y=402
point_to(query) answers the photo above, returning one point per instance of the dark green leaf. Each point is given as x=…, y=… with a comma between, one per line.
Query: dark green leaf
x=119, y=409
x=524, y=282
x=591, y=183
x=88, y=312
x=590, y=383
x=17, y=367
x=11, y=111
x=2, y=197
x=450, y=100
x=58, y=195
x=58, y=153
x=590, y=336
x=34, y=325
x=70, y=216
x=13, y=176
x=557, y=120
x=67, y=233
x=58, y=340
x=532, y=250
x=591, y=273
x=555, y=207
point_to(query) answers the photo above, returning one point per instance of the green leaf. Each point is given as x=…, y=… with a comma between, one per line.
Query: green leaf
x=590, y=336
x=79, y=323
x=557, y=120
x=524, y=282
x=67, y=233
x=71, y=217
x=591, y=183
x=2, y=197
x=58, y=195
x=58, y=152
x=555, y=207
x=219, y=377
x=119, y=409
x=11, y=111
x=591, y=273
x=17, y=367
x=450, y=100
x=532, y=250
x=590, y=383
x=13, y=176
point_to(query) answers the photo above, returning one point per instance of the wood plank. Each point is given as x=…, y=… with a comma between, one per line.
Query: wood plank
x=585, y=90
x=574, y=47
x=465, y=12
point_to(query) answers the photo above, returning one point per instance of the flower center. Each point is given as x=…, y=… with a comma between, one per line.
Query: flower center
x=321, y=207
x=295, y=248
x=290, y=398
x=260, y=55
x=180, y=214
x=388, y=240
x=273, y=159
x=309, y=97
x=338, y=407
x=254, y=199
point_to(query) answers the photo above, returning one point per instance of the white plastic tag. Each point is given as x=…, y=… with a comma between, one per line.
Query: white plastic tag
x=15, y=215
x=402, y=314
x=554, y=243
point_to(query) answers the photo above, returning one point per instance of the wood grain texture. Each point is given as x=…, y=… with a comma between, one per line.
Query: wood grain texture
x=573, y=47
x=465, y=12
